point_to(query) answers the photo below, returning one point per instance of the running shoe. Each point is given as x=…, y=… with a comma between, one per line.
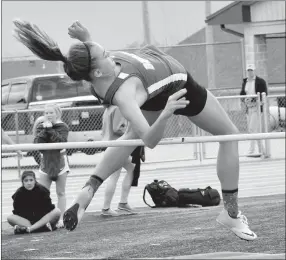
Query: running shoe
x=126, y=207
x=239, y=225
x=20, y=230
x=109, y=213
x=70, y=217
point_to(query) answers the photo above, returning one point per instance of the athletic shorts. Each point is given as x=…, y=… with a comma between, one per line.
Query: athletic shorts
x=197, y=95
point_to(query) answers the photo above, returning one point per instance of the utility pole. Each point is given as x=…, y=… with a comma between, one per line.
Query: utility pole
x=146, y=22
x=210, y=58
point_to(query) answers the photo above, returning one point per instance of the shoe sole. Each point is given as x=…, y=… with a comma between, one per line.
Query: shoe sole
x=70, y=217
x=242, y=238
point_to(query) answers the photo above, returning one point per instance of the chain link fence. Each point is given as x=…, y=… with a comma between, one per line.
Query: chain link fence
x=271, y=117
x=85, y=124
x=237, y=108
x=276, y=123
x=277, y=104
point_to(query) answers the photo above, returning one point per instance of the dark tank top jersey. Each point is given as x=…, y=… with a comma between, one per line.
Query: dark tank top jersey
x=160, y=74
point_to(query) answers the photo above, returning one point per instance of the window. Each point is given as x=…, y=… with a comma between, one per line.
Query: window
x=55, y=88
x=4, y=93
x=17, y=93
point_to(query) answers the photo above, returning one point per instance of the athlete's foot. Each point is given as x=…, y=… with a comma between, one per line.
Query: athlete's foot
x=239, y=225
x=70, y=217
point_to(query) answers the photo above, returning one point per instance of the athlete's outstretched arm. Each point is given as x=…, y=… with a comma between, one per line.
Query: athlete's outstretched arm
x=126, y=99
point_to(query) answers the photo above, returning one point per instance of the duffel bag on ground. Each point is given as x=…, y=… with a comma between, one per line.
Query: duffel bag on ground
x=162, y=194
x=204, y=197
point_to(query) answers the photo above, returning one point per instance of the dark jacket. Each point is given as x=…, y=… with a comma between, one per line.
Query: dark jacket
x=137, y=155
x=56, y=134
x=32, y=204
x=52, y=161
x=260, y=87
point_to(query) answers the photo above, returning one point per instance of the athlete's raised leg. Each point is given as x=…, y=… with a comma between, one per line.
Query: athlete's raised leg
x=215, y=120
x=113, y=159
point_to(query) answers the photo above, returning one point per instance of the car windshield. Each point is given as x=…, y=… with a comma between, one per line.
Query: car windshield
x=58, y=88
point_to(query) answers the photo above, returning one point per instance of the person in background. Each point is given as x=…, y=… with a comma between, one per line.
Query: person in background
x=252, y=85
x=53, y=163
x=33, y=209
x=7, y=140
x=114, y=126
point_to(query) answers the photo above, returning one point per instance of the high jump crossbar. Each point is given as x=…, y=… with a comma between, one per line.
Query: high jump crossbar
x=138, y=142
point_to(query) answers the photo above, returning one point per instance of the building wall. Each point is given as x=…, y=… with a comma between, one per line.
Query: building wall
x=268, y=11
x=228, y=58
x=17, y=68
x=267, y=54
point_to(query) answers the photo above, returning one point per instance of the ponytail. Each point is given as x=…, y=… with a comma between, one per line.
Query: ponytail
x=38, y=41
x=77, y=67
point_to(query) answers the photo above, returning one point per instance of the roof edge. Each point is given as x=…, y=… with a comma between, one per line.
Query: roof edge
x=222, y=10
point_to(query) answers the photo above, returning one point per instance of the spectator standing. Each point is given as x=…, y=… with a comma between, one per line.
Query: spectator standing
x=53, y=163
x=252, y=85
x=114, y=126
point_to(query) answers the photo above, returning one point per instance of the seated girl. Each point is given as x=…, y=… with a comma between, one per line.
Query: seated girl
x=33, y=208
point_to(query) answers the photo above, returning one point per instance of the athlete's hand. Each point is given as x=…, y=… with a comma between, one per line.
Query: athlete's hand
x=176, y=101
x=78, y=31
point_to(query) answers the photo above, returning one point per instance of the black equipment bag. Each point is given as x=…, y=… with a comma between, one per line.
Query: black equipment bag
x=204, y=197
x=162, y=194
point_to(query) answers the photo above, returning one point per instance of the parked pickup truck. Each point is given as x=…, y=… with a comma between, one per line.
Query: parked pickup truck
x=30, y=93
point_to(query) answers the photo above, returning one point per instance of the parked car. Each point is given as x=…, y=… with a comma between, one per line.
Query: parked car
x=25, y=94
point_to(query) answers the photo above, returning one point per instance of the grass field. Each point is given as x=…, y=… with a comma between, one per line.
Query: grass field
x=156, y=233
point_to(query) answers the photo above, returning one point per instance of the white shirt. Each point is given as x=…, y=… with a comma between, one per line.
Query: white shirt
x=250, y=86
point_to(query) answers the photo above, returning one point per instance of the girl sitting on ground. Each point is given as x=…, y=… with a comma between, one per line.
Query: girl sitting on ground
x=33, y=209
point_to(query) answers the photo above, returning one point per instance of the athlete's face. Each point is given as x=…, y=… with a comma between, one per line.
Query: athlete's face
x=102, y=62
x=29, y=182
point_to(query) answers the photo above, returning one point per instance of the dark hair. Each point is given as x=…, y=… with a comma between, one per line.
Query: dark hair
x=78, y=63
x=28, y=173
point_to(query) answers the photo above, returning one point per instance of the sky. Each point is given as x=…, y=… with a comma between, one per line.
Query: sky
x=113, y=24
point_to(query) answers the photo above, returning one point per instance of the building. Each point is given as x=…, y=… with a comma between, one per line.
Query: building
x=239, y=45
x=261, y=23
